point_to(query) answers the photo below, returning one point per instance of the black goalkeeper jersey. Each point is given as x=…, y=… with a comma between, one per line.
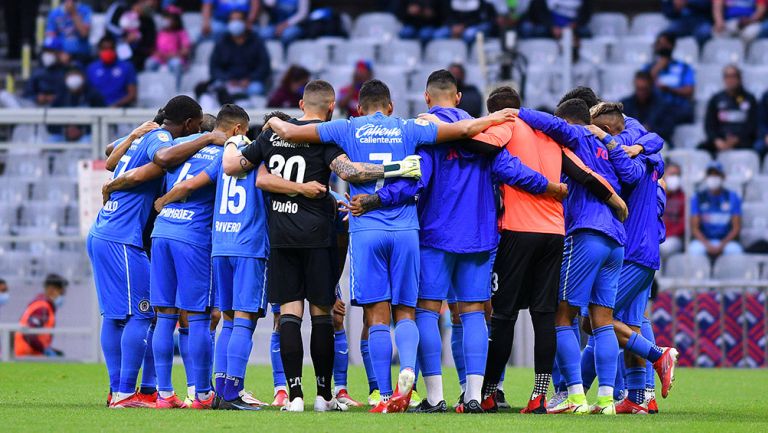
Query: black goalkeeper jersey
x=296, y=221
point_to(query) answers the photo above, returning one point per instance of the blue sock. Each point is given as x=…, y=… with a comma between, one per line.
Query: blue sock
x=407, y=341
x=475, y=342
x=606, y=354
x=416, y=369
x=650, y=375
x=341, y=358
x=278, y=374
x=636, y=384
x=558, y=381
x=380, y=345
x=220, y=356
x=643, y=348
x=366, y=354
x=200, y=351
x=430, y=343
x=213, y=352
x=238, y=352
x=568, y=355
x=457, y=350
x=619, y=384
x=111, y=334
x=185, y=359
x=588, y=372
x=162, y=349
x=148, y=375
x=133, y=344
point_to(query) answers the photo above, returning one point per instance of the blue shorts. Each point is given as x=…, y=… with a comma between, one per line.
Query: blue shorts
x=590, y=270
x=384, y=266
x=455, y=277
x=121, y=276
x=632, y=297
x=275, y=308
x=241, y=284
x=181, y=276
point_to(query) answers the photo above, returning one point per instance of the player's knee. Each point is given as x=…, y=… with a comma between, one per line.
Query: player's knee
x=338, y=322
x=470, y=307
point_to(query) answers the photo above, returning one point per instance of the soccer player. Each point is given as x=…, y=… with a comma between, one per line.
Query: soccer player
x=278, y=373
x=303, y=256
x=384, y=243
x=115, y=245
x=455, y=245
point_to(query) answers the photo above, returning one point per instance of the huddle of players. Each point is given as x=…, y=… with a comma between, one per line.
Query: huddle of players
x=396, y=271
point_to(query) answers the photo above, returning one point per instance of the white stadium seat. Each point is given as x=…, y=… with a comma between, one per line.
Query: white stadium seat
x=737, y=267
x=309, y=54
x=632, y=50
x=98, y=28
x=692, y=162
x=609, y=24
x=193, y=76
x=55, y=190
x=709, y=80
x=687, y=266
x=686, y=50
x=193, y=24
x=757, y=190
x=740, y=165
x=491, y=48
x=593, y=50
x=349, y=52
x=721, y=51
x=539, y=52
x=616, y=81
x=338, y=76
x=758, y=52
x=276, y=53
x=648, y=24
x=402, y=52
x=755, y=79
x=754, y=223
x=445, y=52
x=376, y=25
x=155, y=88
x=203, y=52
x=688, y=136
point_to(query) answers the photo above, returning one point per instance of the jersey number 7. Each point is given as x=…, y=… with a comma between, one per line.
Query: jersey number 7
x=384, y=158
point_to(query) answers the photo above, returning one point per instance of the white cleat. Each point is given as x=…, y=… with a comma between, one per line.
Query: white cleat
x=556, y=399
x=295, y=405
x=247, y=397
x=322, y=405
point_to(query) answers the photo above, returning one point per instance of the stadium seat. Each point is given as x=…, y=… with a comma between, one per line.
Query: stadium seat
x=648, y=24
x=276, y=54
x=688, y=136
x=9, y=215
x=757, y=190
x=65, y=164
x=755, y=79
x=616, y=81
x=692, y=162
x=308, y=54
x=71, y=225
x=687, y=50
x=55, y=190
x=539, y=51
x=721, y=51
x=155, y=88
x=709, y=80
x=376, y=25
x=537, y=89
x=754, y=223
x=98, y=28
x=740, y=164
x=632, y=50
x=16, y=264
x=338, y=76
x=737, y=267
x=349, y=52
x=492, y=49
x=758, y=52
x=69, y=264
x=609, y=25
x=193, y=24
x=195, y=74
x=25, y=166
x=593, y=50
x=13, y=191
x=687, y=266
x=400, y=52
x=396, y=77
x=203, y=52
x=445, y=52
x=43, y=216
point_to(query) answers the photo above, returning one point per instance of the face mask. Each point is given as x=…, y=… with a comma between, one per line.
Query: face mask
x=673, y=182
x=74, y=82
x=713, y=182
x=236, y=28
x=58, y=302
x=664, y=52
x=4, y=297
x=48, y=59
x=108, y=56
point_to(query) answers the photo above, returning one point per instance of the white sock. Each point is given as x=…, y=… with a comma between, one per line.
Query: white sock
x=434, y=386
x=604, y=391
x=500, y=386
x=120, y=396
x=202, y=396
x=280, y=388
x=463, y=387
x=191, y=391
x=576, y=389
x=338, y=389
x=474, y=388
x=166, y=394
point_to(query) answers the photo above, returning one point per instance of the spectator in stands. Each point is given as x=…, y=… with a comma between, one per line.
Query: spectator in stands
x=674, y=79
x=420, y=19
x=113, y=79
x=20, y=17
x=738, y=18
x=240, y=66
x=471, y=98
x=77, y=93
x=5, y=294
x=689, y=18
x=216, y=14
x=509, y=13
x=173, y=47
x=70, y=24
x=731, y=119
x=132, y=24
x=674, y=213
x=548, y=18
x=47, y=80
x=291, y=88
x=348, y=95
x=41, y=313
x=761, y=144
x=465, y=19
x=646, y=106
x=285, y=18
x=715, y=217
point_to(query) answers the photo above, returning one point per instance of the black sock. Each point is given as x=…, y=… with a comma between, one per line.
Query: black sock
x=292, y=353
x=322, y=352
x=500, y=338
x=545, y=346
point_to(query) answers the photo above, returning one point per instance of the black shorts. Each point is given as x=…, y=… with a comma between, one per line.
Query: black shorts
x=526, y=273
x=296, y=274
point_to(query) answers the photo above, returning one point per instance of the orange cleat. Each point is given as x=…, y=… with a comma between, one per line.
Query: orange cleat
x=133, y=401
x=204, y=404
x=536, y=405
x=343, y=397
x=488, y=404
x=381, y=407
x=401, y=399
x=665, y=368
x=109, y=399
x=472, y=406
x=148, y=398
x=653, y=408
x=172, y=402
x=281, y=398
x=627, y=406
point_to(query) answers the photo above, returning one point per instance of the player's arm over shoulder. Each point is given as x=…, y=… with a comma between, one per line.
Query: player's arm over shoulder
x=183, y=189
x=295, y=133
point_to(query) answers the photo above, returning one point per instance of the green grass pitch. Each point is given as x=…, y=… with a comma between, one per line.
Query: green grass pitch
x=40, y=397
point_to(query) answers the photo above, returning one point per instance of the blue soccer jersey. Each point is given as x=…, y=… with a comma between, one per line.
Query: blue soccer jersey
x=189, y=220
x=239, y=215
x=379, y=139
x=123, y=217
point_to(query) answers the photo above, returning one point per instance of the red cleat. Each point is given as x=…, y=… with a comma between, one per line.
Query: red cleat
x=381, y=407
x=281, y=398
x=489, y=404
x=653, y=408
x=204, y=404
x=133, y=401
x=172, y=402
x=627, y=406
x=536, y=405
x=343, y=397
x=402, y=397
x=665, y=368
x=148, y=398
x=109, y=399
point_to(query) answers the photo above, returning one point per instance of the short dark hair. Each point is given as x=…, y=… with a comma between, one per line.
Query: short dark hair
x=575, y=110
x=230, y=114
x=279, y=114
x=159, y=117
x=442, y=81
x=180, y=108
x=374, y=93
x=56, y=280
x=643, y=75
x=671, y=37
x=318, y=94
x=503, y=97
x=106, y=38
x=209, y=123
x=584, y=93
x=293, y=74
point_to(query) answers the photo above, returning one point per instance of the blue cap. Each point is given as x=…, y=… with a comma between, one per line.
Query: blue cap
x=715, y=166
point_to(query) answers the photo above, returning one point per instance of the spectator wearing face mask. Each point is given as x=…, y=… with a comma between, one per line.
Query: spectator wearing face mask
x=47, y=80
x=674, y=213
x=113, y=79
x=216, y=14
x=173, y=46
x=674, y=79
x=715, y=217
x=41, y=314
x=291, y=88
x=77, y=93
x=731, y=120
